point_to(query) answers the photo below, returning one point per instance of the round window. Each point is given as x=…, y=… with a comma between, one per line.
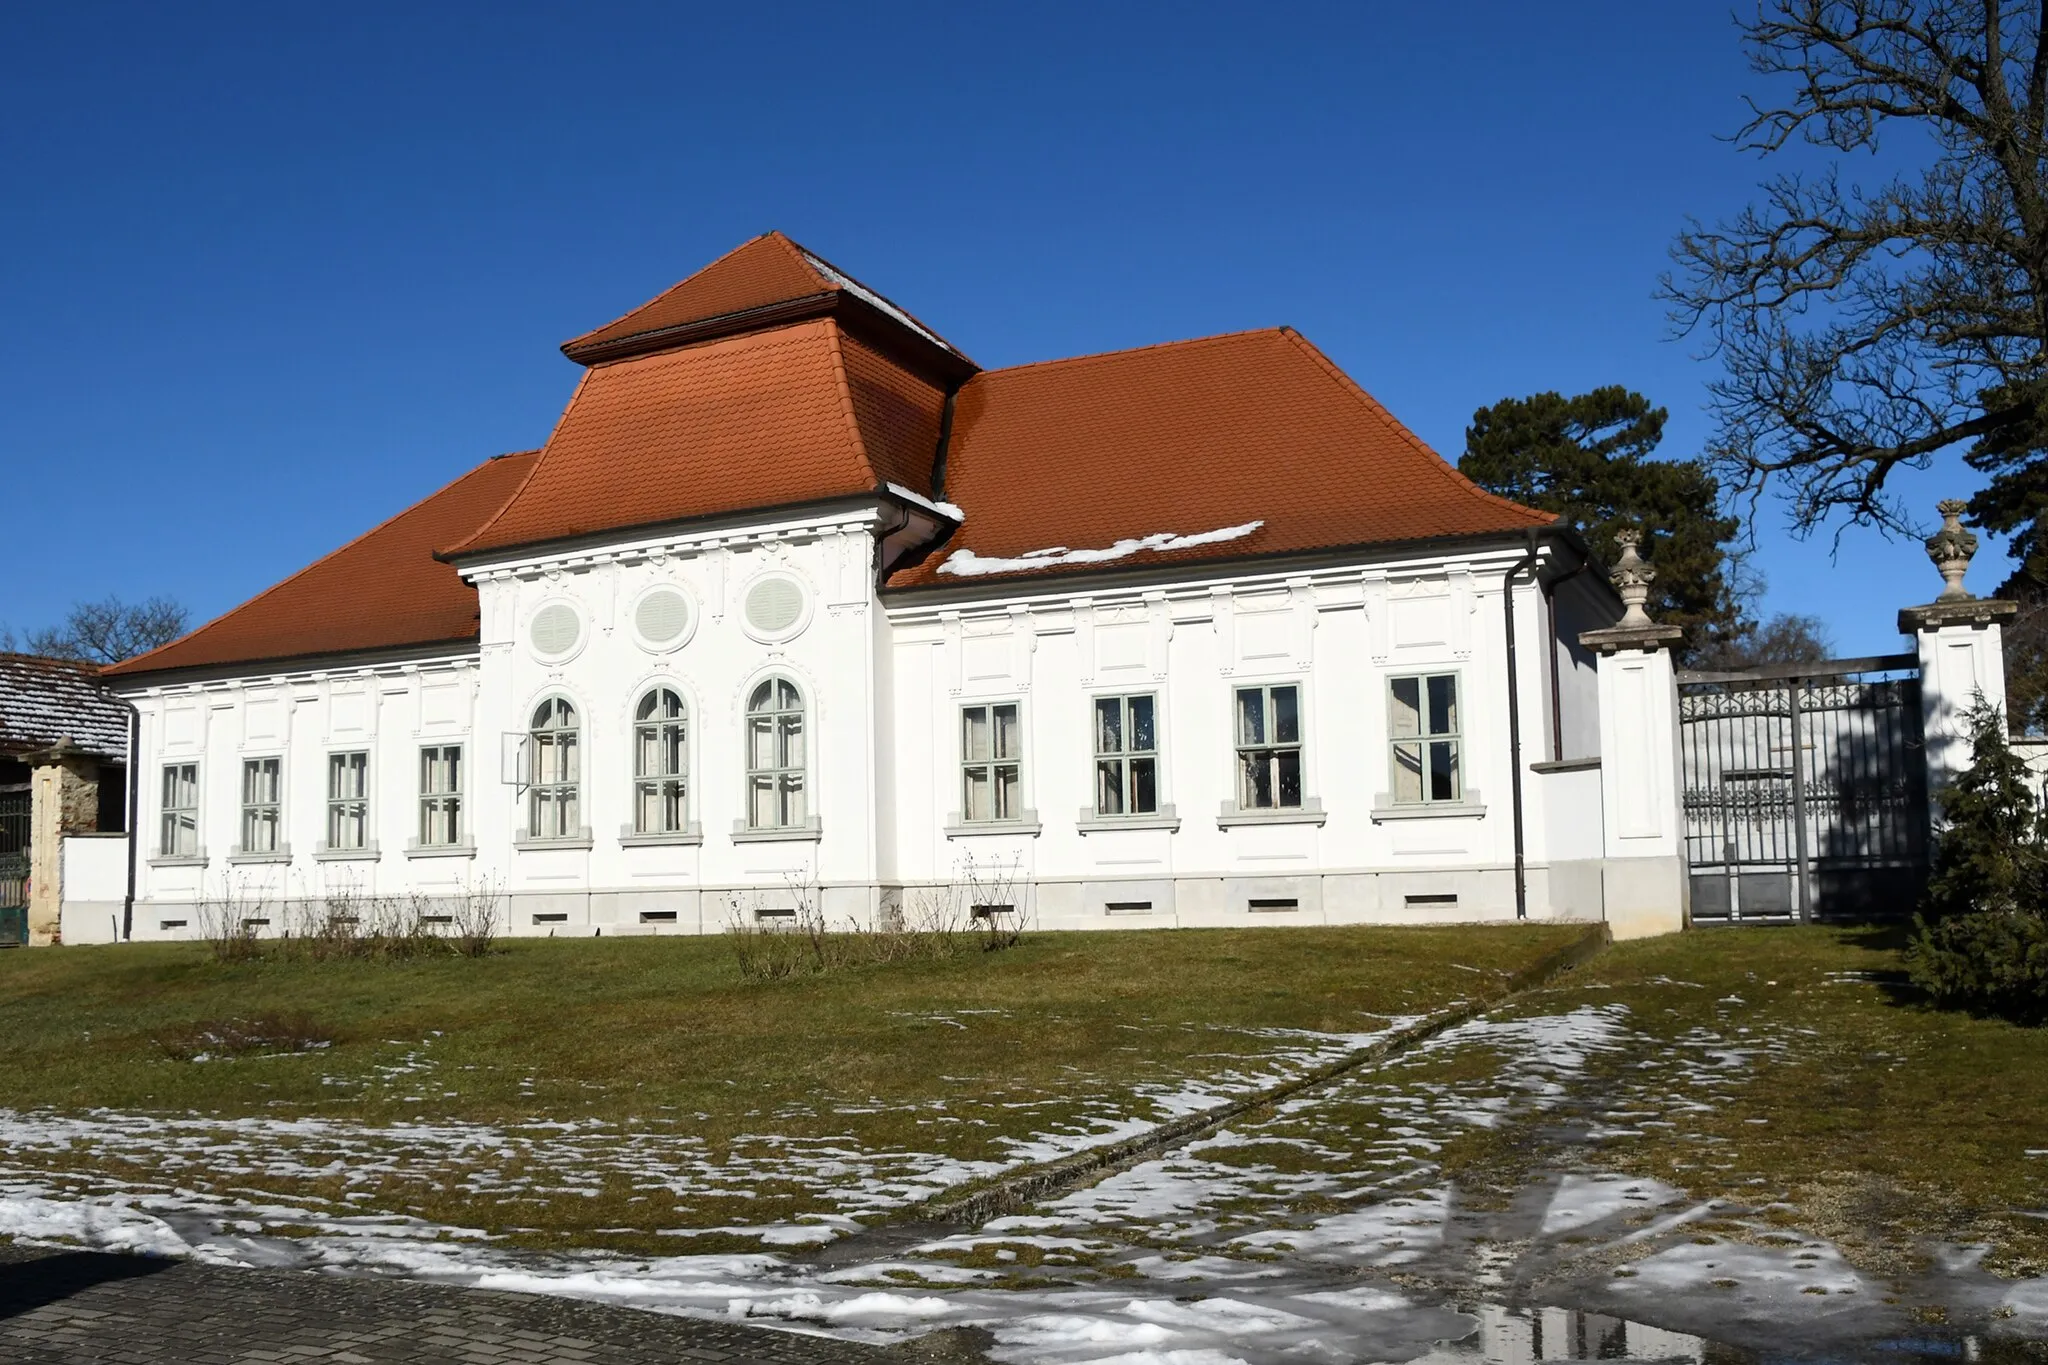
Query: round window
x=556, y=629
x=662, y=617
x=774, y=605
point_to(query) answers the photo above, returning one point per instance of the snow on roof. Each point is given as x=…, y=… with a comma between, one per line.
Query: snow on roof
x=967, y=563
x=45, y=700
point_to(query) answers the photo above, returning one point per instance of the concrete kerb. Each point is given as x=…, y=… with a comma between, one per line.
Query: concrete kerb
x=971, y=1206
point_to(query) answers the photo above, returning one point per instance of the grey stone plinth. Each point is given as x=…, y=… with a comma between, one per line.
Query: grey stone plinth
x=1615, y=639
x=1969, y=611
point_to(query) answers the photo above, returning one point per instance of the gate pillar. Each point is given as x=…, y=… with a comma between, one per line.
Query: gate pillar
x=64, y=798
x=1962, y=652
x=1644, y=886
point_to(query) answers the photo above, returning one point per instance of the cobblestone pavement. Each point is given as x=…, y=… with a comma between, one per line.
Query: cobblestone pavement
x=64, y=1307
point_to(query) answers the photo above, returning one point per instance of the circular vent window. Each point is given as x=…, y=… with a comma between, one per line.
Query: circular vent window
x=774, y=605
x=662, y=617
x=556, y=629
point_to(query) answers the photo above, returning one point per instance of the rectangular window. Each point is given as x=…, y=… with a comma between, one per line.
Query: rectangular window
x=348, y=800
x=180, y=835
x=1422, y=727
x=1126, y=756
x=1268, y=747
x=261, y=798
x=992, y=762
x=441, y=795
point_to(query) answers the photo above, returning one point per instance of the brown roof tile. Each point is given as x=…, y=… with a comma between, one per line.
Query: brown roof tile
x=381, y=590
x=792, y=415
x=1188, y=438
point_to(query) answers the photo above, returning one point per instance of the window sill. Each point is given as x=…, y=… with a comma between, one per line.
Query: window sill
x=178, y=860
x=1028, y=826
x=277, y=855
x=1565, y=765
x=344, y=855
x=441, y=851
x=1444, y=810
x=1308, y=813
x=1165, y=818
x=811, y=831
x=681, y=838
x=525, y=843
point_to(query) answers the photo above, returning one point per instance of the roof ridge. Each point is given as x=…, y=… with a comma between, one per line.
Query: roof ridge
x=129, y=665
x=846, y=410
x=796, y=252
x=1443, y=467
x=1131, y=350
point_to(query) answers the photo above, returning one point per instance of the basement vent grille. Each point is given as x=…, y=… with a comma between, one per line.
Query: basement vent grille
x=1128, y=907
x=1432, y=898
x=556, y=630
x=437, y=919
x=248, y=924
x=657, y=917
x=1259, y=906
x=991, y=911
x=773, y=605
x=168, y=924
x=558, y=917
x=776, y=912
x=662, y=617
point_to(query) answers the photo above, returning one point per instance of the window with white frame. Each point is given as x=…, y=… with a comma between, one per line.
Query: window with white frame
x=262, y=813
x=1422, y=729
x=775, y=756
x=179, y=836
x=348, y=800
x=441, y=795
x=660, y=800
x=1126, y=756
x=1269, y=747
x=554, y=800
x=991, y=762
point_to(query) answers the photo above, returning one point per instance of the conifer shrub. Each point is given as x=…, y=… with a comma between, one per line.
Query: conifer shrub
x=1980, y=941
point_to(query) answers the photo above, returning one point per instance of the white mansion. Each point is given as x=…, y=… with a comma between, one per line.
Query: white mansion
x=1196, y=634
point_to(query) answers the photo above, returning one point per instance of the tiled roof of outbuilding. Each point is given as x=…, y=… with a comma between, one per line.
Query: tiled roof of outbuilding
x=1189, y=438
x=45, y=700
x=795, y=414
x=382, y=590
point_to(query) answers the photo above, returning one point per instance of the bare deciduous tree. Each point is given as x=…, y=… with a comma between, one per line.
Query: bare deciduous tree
x=108, y=631
x=1867, y=325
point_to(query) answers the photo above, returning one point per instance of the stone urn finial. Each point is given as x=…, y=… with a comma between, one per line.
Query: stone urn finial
x=1951, y=549
x=1632, y=578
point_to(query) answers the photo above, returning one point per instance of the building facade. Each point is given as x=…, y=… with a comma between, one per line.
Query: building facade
x=798, y=603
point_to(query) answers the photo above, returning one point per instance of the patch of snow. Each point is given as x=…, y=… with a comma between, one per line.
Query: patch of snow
x=966, y=563
x=944, y=509
x=1581, y=1202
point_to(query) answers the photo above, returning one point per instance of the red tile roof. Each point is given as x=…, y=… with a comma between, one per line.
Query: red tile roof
x=382, y=590
x=796, y=414
x=759, y=283
x=1188, y=438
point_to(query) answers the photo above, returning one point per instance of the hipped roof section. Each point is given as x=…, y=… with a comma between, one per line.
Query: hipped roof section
x=796, y=414
x=382, y=590
x=1229, y=447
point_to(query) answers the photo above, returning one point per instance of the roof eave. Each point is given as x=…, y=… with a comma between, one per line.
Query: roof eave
x=171, y=675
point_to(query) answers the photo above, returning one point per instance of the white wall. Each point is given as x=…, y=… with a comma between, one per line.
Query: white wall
x=94, y=887
x=884, y=684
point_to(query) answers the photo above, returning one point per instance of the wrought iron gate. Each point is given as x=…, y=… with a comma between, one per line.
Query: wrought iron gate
x=1805, y=790
x=14, y=811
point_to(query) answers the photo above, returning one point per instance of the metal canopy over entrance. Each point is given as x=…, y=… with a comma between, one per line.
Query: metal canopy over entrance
x=1805, y=790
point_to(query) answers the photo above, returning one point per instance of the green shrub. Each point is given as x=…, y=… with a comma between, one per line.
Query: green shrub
x=1980, y=941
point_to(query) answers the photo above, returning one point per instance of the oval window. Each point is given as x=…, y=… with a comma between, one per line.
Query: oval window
x=556, y=629
x=773, y=605
x=662, y=616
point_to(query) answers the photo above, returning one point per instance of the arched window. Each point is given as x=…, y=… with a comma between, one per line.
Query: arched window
x=775, y=756
x=553, y=808
x=660, y=765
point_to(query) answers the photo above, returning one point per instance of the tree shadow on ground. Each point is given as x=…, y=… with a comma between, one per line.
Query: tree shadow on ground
x=41, y=1280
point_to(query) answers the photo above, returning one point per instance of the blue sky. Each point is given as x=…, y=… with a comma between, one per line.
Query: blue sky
x=271, y=273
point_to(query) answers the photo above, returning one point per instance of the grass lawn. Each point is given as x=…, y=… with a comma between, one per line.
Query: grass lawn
x=599, y=1092
x=1793, y=1070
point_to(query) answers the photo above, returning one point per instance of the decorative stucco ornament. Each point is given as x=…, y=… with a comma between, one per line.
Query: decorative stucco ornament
x=1951, y=548
x=1632, y=578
